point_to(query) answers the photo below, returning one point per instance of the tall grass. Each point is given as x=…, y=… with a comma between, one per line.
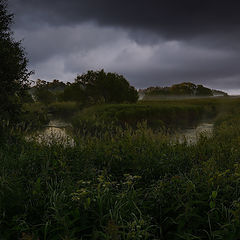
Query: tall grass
x=133, y=184
x=63, y=109
x=34, y=116
x=170, y=114
x=156, y=116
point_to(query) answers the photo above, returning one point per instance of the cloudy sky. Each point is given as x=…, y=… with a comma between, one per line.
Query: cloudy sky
x=150, y=42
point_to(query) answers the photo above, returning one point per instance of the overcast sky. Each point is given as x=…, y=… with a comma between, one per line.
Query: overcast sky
x=150, y=42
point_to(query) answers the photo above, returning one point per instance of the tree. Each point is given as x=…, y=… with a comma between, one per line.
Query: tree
x=73, y=92
x=185, y=88
x=203, y=91
x=13, y=69
x=181, y=89
x=43, y=93
x=110, y=87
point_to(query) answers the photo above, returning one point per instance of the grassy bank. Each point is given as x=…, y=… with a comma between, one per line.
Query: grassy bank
x=156, y=115
x=64, y=110
x=164, y=114
x=134, y=184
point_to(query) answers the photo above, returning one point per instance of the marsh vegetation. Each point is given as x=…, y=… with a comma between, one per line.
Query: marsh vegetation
x=127, y=179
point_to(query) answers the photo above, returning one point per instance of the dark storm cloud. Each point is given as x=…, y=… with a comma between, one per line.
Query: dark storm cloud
x=170, y=17
x=150, y=42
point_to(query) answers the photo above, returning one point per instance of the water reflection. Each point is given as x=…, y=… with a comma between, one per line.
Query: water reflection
x=191, y=135
x=54, y=132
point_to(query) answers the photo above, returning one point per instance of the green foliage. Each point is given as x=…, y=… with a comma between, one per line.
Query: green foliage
x=27, y=98
x=73, y=92
x=125, y=183
x=158, y=115
x=185, y=89
x=134, y=184
x=203, y=91
x=43, y=93
x=63, y=110
x=108, y=87
x=88, y=89
x=34, y=116
x=13, y=69
x=45, y=96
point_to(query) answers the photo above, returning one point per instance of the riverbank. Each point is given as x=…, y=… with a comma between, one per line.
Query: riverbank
x=168, y=114
x=58, y=131
x=133, y=184
x=125, y=182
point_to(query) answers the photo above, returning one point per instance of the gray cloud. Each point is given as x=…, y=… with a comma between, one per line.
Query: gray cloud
x=49, y=41
x=150, y=42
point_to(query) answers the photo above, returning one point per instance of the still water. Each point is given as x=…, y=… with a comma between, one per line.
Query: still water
x=56, y=132
x=191, y=135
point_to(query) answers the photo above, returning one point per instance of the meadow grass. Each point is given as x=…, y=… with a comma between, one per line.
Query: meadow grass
x=123, y=184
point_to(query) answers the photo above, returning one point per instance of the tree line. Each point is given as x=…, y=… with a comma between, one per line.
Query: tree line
x=90, y=88
x=182, y=89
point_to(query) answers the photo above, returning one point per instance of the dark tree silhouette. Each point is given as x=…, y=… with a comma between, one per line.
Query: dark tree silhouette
x=181, y=89
x=73, y=92
x=13, y=69
x=107, y=87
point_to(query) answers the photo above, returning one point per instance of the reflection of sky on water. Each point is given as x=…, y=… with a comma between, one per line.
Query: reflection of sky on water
x=55, y=132
x=55, y=135
x=192, y=134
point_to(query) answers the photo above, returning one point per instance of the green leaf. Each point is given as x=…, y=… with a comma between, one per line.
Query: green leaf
x=214, y=194
x=212, y=204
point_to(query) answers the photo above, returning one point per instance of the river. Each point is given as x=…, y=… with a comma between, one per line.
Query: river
x=57, y=132
x=191, y=135
x=54, y=132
